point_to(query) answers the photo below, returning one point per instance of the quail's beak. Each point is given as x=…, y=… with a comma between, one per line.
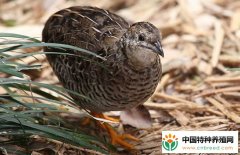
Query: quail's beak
x=159, y=49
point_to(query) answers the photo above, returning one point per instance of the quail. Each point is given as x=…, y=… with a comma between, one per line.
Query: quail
x=131, y=68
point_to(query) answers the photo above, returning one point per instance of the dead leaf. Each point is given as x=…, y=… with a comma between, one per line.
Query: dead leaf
x=138, y=117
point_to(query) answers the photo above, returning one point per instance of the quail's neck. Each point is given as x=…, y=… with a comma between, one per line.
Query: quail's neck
x=140, y=58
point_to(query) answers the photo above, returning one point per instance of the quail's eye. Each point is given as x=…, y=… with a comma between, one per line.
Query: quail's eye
x=141, y=37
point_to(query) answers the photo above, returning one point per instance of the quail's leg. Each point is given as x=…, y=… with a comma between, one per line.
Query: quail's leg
x=101, y=115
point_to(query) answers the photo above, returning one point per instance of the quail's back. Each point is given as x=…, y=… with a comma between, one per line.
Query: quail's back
x=131, y=70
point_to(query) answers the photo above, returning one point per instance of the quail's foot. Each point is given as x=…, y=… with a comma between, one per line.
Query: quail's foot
x=117, y=139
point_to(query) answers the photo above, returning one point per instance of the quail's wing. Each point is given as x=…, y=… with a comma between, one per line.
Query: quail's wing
x=89, y=28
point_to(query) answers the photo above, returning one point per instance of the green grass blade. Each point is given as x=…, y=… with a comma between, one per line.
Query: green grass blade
x=14, y=35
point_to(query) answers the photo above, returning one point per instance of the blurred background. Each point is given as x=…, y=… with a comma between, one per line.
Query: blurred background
x=200, y=87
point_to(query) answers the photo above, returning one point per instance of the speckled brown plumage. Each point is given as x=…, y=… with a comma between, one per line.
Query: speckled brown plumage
x=132, y=67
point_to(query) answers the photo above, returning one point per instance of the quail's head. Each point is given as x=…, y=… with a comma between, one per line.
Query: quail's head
x=142, y=44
